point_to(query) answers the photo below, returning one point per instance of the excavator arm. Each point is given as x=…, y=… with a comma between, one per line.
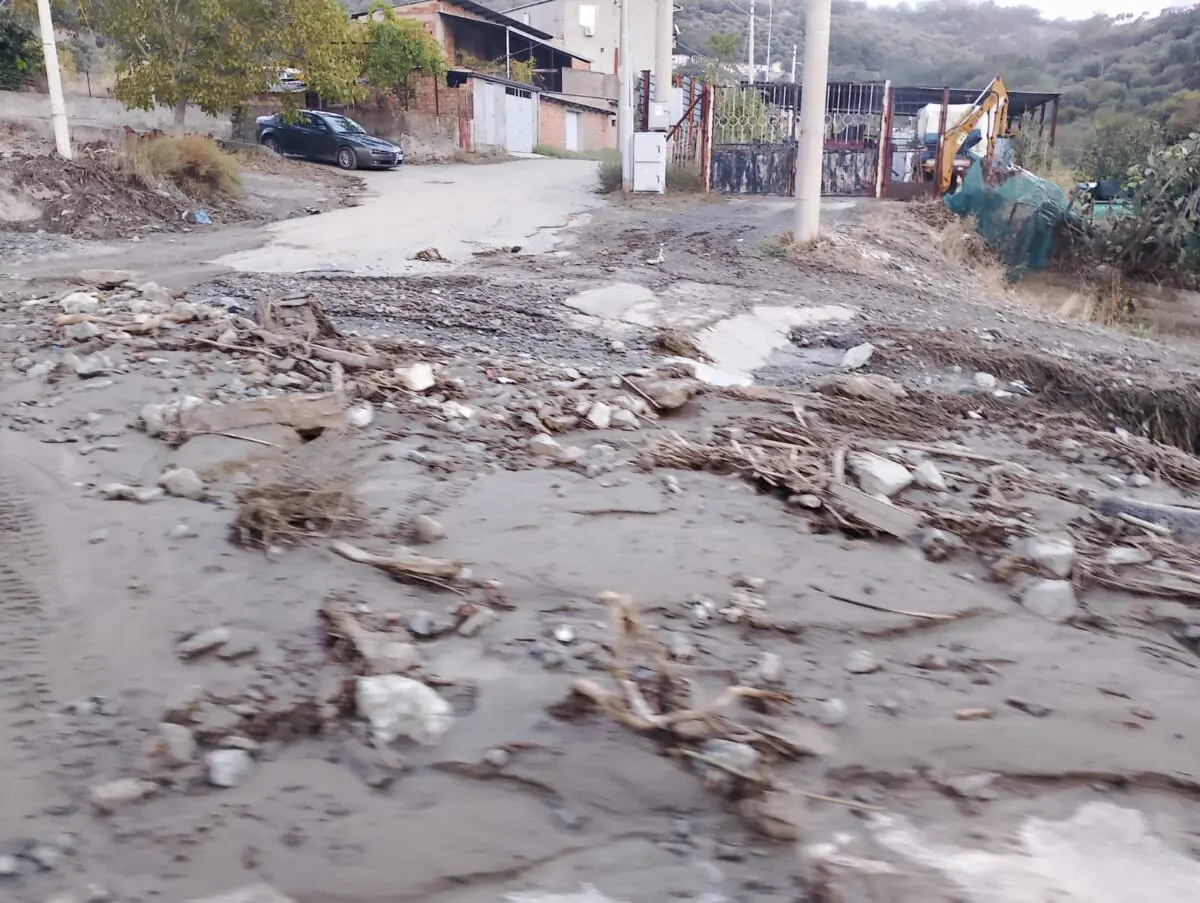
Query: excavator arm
x=994, y=99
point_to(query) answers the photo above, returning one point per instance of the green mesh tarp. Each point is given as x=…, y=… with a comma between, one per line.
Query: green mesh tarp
x=1018, y=218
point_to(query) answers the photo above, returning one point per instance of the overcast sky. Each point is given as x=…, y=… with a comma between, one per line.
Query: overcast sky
x=1079, y=9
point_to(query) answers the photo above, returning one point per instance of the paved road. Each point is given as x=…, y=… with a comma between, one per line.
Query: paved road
x=458, y=210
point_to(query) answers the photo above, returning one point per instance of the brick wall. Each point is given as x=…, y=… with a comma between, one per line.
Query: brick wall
x=552, y=130
x=596, y=131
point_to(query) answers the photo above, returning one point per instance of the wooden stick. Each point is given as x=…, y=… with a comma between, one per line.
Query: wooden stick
x=890, y=611
x=1146, y=525
x=955, y=453
x=629, y=382
x=235, y=436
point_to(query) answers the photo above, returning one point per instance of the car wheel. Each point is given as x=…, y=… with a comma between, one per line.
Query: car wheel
x=347, y=159
x=272, y=145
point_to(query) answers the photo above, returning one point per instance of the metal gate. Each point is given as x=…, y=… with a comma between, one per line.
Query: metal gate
x=755, y=129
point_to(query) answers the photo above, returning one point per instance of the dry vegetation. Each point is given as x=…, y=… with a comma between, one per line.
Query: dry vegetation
x=193, y=164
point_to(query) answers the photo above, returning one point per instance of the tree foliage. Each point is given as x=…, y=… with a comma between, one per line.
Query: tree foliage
x=20, y=55
x=1101, y=64
x=396, y=48
x=217, y=53
x=1117, y=143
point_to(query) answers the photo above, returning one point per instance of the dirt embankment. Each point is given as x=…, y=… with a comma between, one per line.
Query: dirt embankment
x=150, y=184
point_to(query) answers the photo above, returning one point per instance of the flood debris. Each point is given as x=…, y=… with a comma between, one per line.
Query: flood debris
x=405, y=565
x=374, y=652
x=309, y=492
x=651, y=697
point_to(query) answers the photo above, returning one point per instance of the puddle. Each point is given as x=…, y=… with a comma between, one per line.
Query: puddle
x=741, y=344
x=738, y=344
x=1102, y=854
x=623, y=302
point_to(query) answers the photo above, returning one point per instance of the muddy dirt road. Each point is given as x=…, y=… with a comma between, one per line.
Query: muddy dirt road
x=964, y=671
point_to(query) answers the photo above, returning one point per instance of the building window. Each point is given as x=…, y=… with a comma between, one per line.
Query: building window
x=587, y=16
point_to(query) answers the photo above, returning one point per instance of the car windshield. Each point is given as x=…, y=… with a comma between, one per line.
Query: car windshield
x=344, y=126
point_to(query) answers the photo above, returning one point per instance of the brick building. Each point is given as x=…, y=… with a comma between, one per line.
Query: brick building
x=574, y=126
x=479, y=102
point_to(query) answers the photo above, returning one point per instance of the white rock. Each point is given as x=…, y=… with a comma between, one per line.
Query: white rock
x=985, y=380
x=877, y=475
x=93, y=365
x=228, y=338
x=927, y=476
x=80, y=303
x=618, y=346
x=544, y=445
x=564, y=634
x=861, y=661
x=114, y=794
x=857, y=356
x=1054, y=600
x=360, y=416
x=81, y=332
x=831, y=712
x=600, y=415
x=626, y=420
x=228, y=767
x=182, y=482
x=401, y=707
x=182, y=531
x=417, y=377
x=42, y=370
x=1140, y=480
x=156, y=418
x=426, y=529
x=1054, y=554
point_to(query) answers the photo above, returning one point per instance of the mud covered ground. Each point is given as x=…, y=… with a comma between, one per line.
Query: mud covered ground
x=948, y=735
x=50, y=205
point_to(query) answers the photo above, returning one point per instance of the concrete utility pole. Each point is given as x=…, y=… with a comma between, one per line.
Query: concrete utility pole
x=624, y=99
x=58, y=107
x=770, y=26
x=750, y=48
x=807, y=226
x=793, y=64
x=664, y=44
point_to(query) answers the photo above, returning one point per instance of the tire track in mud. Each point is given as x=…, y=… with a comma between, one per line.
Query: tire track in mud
x=26, y=571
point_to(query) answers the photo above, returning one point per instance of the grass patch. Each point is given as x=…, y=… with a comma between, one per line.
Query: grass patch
x=608, y=177
x=602, y=156
x=683, y=178
x=194, y=164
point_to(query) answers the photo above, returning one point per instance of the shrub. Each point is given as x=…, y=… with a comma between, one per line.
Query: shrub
x=193, y=164
x=682, y=178
x=19, y=52
x=608, y=175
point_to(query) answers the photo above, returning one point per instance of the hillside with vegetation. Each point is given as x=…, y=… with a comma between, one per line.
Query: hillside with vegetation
x=1102, y=65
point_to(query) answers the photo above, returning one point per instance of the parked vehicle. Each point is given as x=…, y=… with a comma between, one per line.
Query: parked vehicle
x=327, y=136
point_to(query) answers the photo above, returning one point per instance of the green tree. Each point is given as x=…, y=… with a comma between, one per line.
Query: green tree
x=20, y=55
x=217, y=53
x=395, y=49
x=723, y=47
x=1116, y=144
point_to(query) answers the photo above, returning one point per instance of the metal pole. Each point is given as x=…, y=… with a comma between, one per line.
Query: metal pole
x=58, y=107
x=807, y=226
x=625, y=99
x=750, y=48
x=507, y=56
x=793, y=64
x=664, y=43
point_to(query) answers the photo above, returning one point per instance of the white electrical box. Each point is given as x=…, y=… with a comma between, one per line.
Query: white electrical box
x=659, y=116
x=650, y=162
x=676, y=104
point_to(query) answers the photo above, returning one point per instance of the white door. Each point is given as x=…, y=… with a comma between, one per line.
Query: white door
x=572, y=131
x=520, y=120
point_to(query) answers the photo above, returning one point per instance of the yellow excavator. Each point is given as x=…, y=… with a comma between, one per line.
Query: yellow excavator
x=947, y=165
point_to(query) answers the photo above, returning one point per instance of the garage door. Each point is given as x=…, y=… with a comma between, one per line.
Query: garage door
x=520, y=120
x=572, y=136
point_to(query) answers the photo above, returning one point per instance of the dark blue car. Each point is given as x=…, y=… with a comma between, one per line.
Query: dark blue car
x=330, y=137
